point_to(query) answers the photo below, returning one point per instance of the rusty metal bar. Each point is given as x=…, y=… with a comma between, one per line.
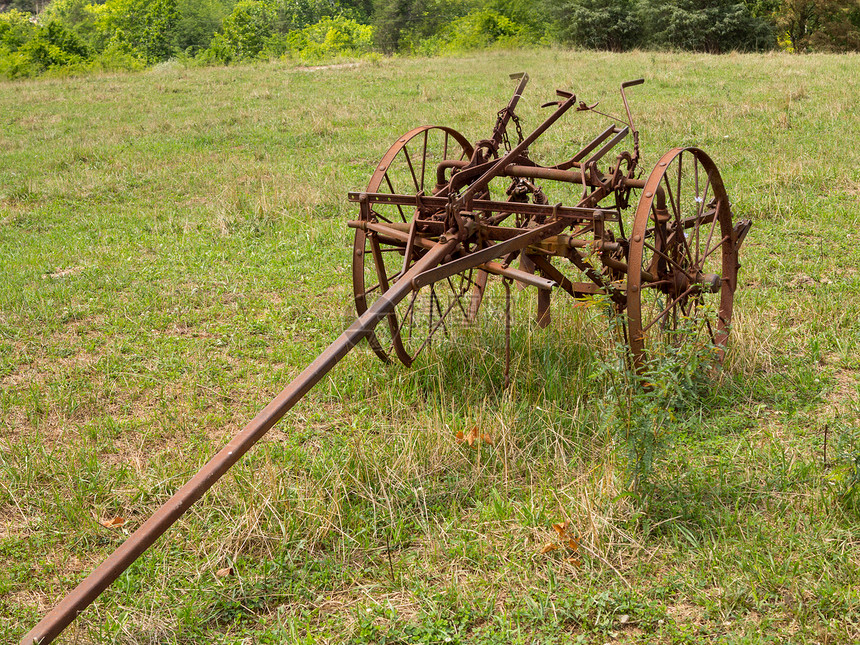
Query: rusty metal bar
x=489, y=253
x=538, y=172
x=609, y=145
x=466, y=198
x=573, y=212
x=506, y=113
x=394, y=232
x=102, y=576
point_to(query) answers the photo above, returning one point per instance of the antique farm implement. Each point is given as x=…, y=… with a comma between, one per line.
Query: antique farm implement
x=441, y=215
x=671, y=266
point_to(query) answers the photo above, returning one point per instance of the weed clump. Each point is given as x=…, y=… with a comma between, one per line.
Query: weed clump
x=644, y=408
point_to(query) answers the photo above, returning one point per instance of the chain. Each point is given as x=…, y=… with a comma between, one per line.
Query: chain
x=505, y=139
x=516, y=121
x=504, y=133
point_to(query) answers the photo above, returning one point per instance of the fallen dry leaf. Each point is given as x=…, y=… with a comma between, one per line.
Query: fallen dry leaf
x=223, y=573
x=561, y=528
x=113, y=522
x=473, y=437
x=549, y=546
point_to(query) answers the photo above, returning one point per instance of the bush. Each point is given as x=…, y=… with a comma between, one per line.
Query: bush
x=712, y=26
x=477, y=30
x=14, y=64
x=613, y=25
x=532, y=16
x=118, y=56
x=837, y=26
x=147, y=28
x=329, y=38
x=198, y=22
x=15, y=29
x=403, y=24
x=248, y=27
x=47, y=48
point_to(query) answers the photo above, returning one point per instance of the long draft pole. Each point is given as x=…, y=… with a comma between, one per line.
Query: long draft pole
x=102, y=576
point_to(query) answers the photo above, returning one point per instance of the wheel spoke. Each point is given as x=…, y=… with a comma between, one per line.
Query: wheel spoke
x=714, y=248
x=700, y=216
x=680, y=253
x=408, y=167
x=394, y=192
x=678, y=192
x=664, y=256
x=669, y=308
x=380, y=216
x=411, y=168
x=424, y=160
x=675, y=201
x=433, y=331
x=713, y=224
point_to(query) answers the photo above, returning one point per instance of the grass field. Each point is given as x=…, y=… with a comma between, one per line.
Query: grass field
x=174, y=249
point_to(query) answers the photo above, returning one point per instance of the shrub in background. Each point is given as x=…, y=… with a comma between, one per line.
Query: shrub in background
x=476, y=30
x=400, y=25
x=329, y=38
x=55, y=46
x=613, y=25
x=15, y=31
x=838, y=26
x=712, y=26
x=27, y=49
x=198, y=22
x=248, y=27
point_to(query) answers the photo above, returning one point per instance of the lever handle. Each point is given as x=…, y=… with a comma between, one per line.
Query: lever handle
x=563, y=95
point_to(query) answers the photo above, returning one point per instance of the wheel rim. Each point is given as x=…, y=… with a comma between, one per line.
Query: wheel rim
x=684, y=289
x=409, y=167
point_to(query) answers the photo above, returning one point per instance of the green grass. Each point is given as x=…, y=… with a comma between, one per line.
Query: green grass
x=174, y=249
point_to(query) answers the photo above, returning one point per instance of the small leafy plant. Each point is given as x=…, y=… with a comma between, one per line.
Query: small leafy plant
x=644, y=407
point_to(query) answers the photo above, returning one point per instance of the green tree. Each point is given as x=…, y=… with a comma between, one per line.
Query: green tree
x=145, y=27
x=53, y=46
x=824, y=25
x=160, y=20
x=713, y=26
x=330, y=37
x=198, y=21
x=532, y=16
x=15, y=30
x=796, y=20
x=401, y=24
x=248, y=27
x=599, y=24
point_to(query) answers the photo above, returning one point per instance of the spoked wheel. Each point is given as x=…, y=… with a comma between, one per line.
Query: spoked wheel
x=416, y=162
x=683, y=244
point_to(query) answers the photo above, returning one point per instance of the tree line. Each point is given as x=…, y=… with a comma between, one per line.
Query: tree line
x=74, y=36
